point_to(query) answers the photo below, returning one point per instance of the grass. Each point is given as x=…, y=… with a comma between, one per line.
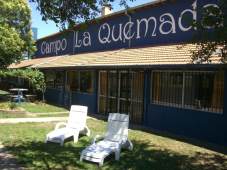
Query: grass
x=151, y=152
x=4, y=115
x=40, y=107
x=37, y=109
x=2, y=92
x=11, y=115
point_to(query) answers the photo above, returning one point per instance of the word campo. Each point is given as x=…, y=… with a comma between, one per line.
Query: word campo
x=54, y=46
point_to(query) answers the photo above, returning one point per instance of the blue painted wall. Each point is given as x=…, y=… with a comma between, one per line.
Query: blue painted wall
x=54, y=96
x=207, y=126
x=86, y=100
x=57, y=97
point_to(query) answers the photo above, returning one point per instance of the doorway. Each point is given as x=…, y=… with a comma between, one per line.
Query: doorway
x=122, y=91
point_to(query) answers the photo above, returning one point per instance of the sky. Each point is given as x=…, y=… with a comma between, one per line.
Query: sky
x=48, y=28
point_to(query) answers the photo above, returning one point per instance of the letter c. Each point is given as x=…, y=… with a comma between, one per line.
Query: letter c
x=43, y=47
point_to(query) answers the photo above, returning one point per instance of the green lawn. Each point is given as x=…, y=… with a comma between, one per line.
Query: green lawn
x=41, y=107
x=4, y=115
x=3, y=92
x=11, y=115
x=151, y=152
x=36, y=110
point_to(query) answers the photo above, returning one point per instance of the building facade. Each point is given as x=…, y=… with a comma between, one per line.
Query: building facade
x=139, y=62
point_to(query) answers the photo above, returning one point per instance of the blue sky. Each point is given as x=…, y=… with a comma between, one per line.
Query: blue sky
x=47, y=28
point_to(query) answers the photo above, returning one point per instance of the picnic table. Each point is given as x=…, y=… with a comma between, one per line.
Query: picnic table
x=19, y=96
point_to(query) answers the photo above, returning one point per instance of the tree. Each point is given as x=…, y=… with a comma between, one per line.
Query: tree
x=212, y=34
x=15, y=31
x=66, y=13
x=35, y=77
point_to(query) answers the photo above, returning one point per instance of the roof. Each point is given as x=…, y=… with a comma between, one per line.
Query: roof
x=31, y=62
x=146, y=56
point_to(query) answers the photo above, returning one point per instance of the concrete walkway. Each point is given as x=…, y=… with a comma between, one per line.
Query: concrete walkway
x=29, y=120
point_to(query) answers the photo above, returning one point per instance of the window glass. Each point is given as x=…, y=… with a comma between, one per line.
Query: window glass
x=167, y=87
x=103, y=83
x=50, y=77
x=125, y=85
x=54, y=79
x=86, y=81
x=190, y=89
x=204, y=90
x=59, y=80
x=73, y=80
x=112, y=84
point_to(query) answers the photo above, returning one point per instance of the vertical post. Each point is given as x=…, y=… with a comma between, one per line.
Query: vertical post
x=183, y=89
x=96, y=88
x=146, y=95
x=107, y=89
x=118, y=90
x=19, y=96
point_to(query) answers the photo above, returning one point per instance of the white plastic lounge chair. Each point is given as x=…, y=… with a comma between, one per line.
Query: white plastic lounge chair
x=115, y=138
x=76, y=125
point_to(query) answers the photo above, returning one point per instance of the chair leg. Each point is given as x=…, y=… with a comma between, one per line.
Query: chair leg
x=75, y=138
x=81, y=158
x=46, y=140
x=129, y=145
x=87, y=131
x=117, y=155
x=101, y=162
x=62, y=142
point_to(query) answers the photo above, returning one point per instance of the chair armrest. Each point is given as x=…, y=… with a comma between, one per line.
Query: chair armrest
x=58, y=125
x=96, y=138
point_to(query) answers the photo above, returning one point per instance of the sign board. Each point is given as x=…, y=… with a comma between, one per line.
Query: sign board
x=170, y=22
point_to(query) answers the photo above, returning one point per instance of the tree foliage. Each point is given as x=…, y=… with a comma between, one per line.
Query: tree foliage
x=66, y=13
x=15, y=31
x=212, y=34
x=34, y=76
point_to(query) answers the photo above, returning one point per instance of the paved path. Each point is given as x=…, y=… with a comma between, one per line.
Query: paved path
x=41, y=119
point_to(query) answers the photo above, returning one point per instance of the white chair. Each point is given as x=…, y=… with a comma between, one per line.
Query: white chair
x=115, y=138
x=76, y=125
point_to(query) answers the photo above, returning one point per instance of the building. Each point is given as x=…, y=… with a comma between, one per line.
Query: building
x=139, y=62
x=34, y=33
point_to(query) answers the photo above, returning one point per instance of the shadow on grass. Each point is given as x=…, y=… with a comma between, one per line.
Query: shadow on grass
x=145, y=156
x=39, y=155
x=211, y=146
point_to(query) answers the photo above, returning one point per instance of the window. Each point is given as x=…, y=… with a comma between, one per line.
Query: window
x=73, y=80
x=80, y=81
x=86, y=81
x=59, y=80
x=190, y=89
x=54, y=79
x=167, y=87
